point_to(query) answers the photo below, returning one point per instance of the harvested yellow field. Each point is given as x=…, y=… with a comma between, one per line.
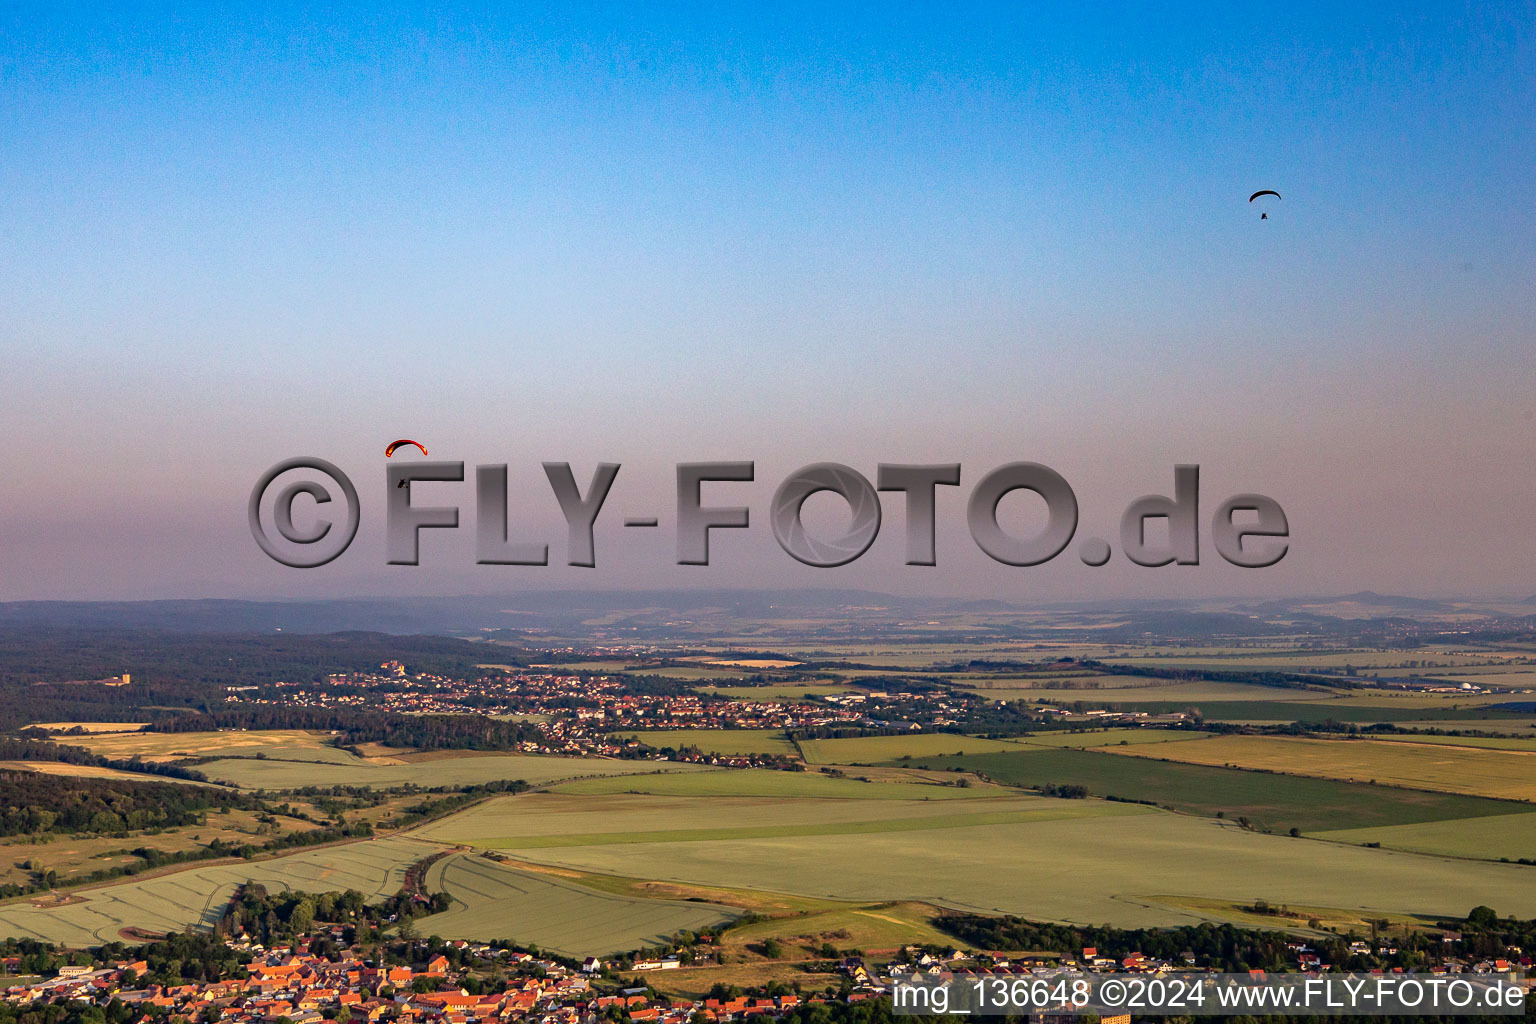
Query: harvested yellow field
x=90, y=726
x=751, y=663
x=1507, y=774
x=278, y=744
x=83, y=771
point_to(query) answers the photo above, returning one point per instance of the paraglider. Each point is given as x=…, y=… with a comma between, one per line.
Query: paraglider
x=1264, y=192
x=390, y=450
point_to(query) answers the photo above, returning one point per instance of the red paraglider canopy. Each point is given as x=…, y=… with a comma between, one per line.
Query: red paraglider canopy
x=389, y=451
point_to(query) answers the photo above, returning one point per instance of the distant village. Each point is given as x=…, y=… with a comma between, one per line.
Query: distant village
x=587, y=715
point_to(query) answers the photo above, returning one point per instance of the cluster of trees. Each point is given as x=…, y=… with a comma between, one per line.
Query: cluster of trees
x=423, y=732
x=276, y=918
x=35, y=803
x=39, y=958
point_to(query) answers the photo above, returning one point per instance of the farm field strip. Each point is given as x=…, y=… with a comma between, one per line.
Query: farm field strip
x=1139, y=736
x=1517, y=742
x=90, y=771
x=1133, y=689
x=449, y=771
x=90, y=727
x=1502, y=774
x=1290, y=709
x=495, y=901
x=288, y=744
x=544, y=815
x=826, y=828
x=1508, y=836
x=765, y=782
x=1271, y=801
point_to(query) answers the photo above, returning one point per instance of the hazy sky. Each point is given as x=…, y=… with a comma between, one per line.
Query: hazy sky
x=963, y=233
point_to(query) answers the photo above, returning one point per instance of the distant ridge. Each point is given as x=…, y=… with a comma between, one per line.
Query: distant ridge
x=411, y=615
x=676, y=616
x=1396, y=600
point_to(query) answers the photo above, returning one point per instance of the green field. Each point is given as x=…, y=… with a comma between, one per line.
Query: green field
x=195, y=897
x=468, y=770
x=1091, y=870
x=769, y=783
x=731, y=742
x=1503, y=774
x=875, y=749
x=1273, y=802
x=541, y=820
x=1508, y=836
x=495, y=901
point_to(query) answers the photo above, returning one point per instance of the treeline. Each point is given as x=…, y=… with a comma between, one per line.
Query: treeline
x=1263, y=677
x=1232, y=949
x=1225, y=947
x=415, y=814
x=423, y=732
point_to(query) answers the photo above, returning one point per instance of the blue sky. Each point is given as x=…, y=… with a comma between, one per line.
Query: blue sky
x=864, y=234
